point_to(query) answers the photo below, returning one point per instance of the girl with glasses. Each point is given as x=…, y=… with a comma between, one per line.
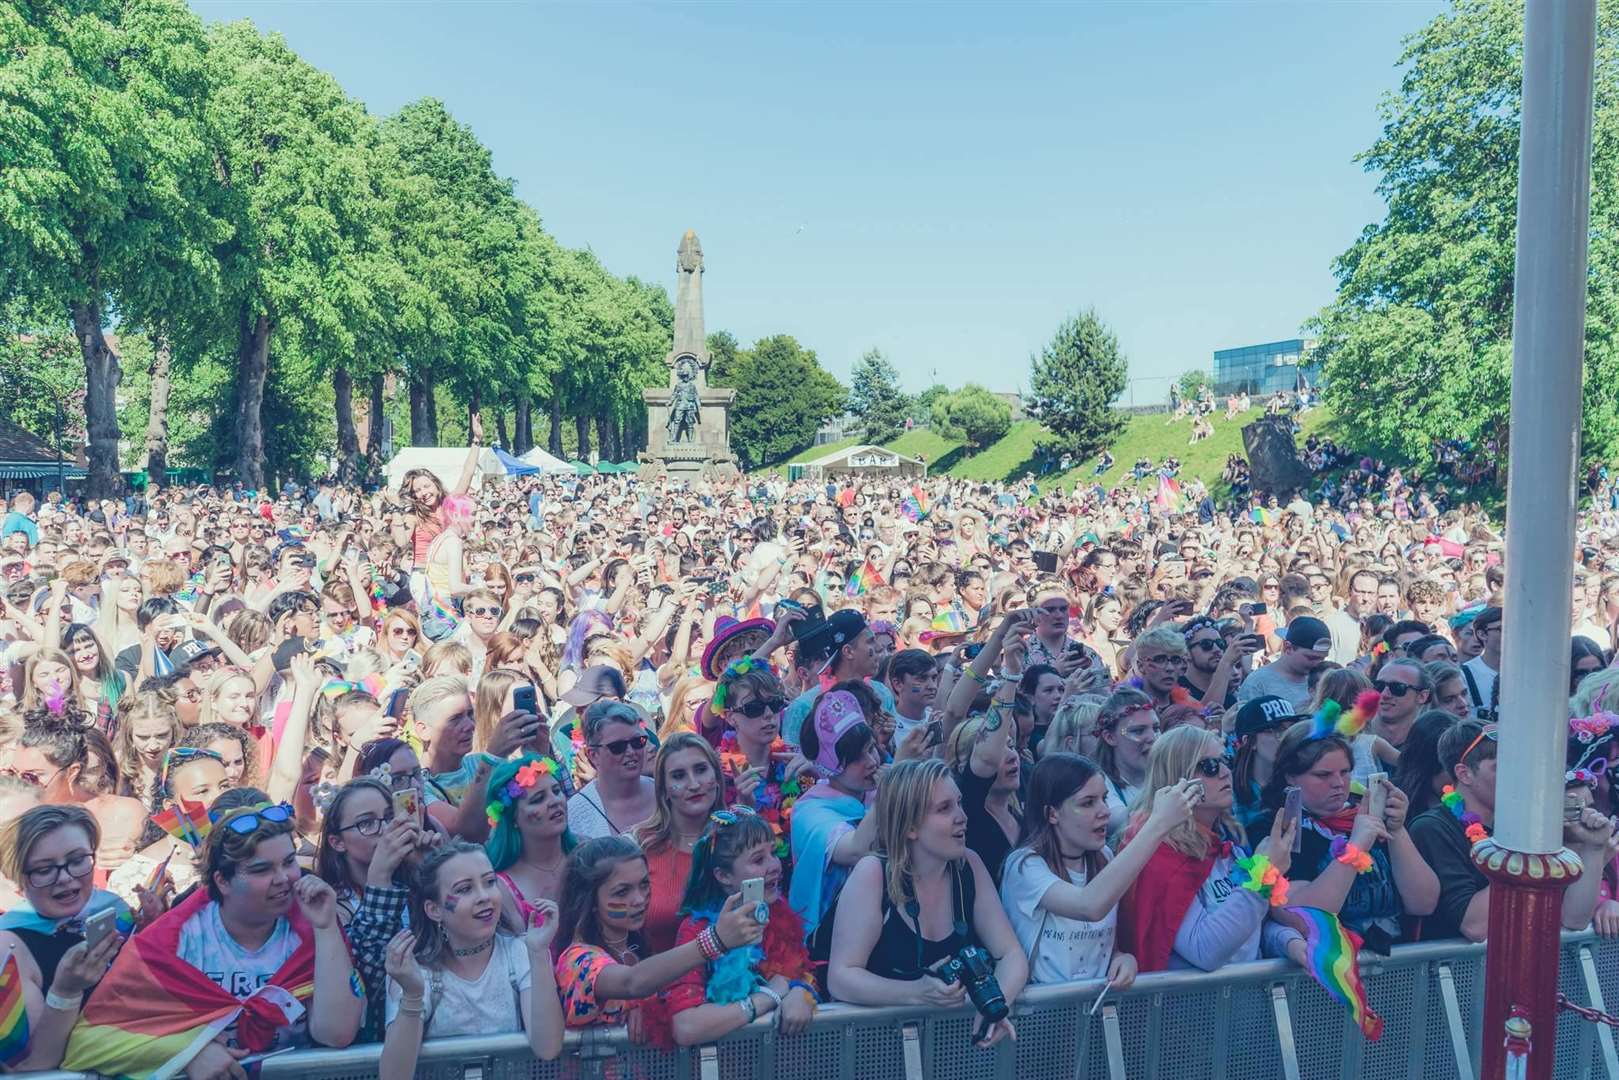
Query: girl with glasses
x=1362, y=868
x=621, y=795
x=689, y=787
x=604, y=971
x=1203, y=900
x=724, y=994
x=761, y=770
x=50, y=852
x=458, y=973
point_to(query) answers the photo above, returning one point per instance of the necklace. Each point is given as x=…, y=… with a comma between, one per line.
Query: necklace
x=475, y=950
x=686, y=843
x=551, y=867
x=1472, y=824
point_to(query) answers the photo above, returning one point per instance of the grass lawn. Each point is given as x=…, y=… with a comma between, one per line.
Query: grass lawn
x=930, y=446
x=1007, y=458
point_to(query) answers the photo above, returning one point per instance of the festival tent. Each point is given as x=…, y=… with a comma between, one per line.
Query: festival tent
x=515, y=466
x=444, y=462
x=865, y=460
x=547, y=463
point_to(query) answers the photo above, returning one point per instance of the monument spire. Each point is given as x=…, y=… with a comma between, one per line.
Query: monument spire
x=690, y=338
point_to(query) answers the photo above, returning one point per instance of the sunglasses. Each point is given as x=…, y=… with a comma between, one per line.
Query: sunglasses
x=731, y=816
x=524, y=579
x=1397, y=689
x=1210, y=645
x=242, y=824
x=755, y=709
x=484, y=612
x=619, y=746
x=1210, y=766
x=1488, y=733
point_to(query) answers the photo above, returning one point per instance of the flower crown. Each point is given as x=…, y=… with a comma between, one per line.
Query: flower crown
x=732, y=670
x=527, y=777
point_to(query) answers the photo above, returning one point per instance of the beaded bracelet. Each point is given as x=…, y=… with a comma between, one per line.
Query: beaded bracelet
x=1256, y=874
x=709, y=942
x=1350, y=855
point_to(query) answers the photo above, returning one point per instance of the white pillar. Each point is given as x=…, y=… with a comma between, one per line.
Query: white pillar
x=1548, y=351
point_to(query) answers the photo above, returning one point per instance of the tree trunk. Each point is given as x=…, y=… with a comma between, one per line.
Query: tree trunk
x=581, y=428
x=157, y=420
x=523, y=426
x=604, y=438
x=432, y=411
x=500, y=428
x=348, y=439
x=474, y=407
x=252, y=371
x=554, y=443
x=421, y=418
x=373, y=440
x=101, y=377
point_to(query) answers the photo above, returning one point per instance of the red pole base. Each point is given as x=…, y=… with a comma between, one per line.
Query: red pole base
x=1520, y=962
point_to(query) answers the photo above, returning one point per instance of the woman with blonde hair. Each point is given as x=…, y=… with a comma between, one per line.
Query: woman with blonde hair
x=250, y=630
x=1203, y=899
x=1073, y=728
x=688, y=786
x=925, y=898
x=686, y=700
x=493, y=701
x=447, y=658
x=50, y=681
x=229, y=697
x=401, y=633
x=148, y=727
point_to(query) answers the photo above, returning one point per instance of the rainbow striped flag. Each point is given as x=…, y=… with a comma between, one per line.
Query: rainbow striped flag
x=183, y=821
x=863, y=581
x=1331, y=950
x=1169, y=493
x=1261, y=516
x=949, y=621
x=915, y=506
x=13, y=1014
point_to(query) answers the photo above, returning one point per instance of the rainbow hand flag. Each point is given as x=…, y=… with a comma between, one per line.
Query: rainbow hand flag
x=183, y=821
x=864, y=580
x=13, y=1014
x=1331, y=950
x=1261, y=516
x=949, y=621
x=915, y=506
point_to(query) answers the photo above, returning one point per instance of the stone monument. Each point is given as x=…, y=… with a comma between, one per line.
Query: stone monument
x=688, y=422
x=1274, y=467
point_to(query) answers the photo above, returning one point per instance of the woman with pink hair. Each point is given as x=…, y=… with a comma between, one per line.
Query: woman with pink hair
x=444, y=569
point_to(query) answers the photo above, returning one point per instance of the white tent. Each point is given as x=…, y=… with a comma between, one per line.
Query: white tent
x=865, y=460
x=546, y=462
x=444, y=462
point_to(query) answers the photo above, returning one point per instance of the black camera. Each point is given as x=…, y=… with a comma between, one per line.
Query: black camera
x=973, y=969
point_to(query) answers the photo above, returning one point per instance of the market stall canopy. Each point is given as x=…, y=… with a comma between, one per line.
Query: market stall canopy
x=548, y=463
x=864, y=461
x=444, y=462
x=25, y=456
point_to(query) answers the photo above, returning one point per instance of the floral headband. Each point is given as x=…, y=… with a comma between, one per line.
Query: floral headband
x=526, y=779
x=732, y=671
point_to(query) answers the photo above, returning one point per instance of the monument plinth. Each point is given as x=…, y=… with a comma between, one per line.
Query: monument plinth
x=689, y=422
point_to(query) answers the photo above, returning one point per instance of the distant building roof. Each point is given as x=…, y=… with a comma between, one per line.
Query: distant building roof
x=24, y=455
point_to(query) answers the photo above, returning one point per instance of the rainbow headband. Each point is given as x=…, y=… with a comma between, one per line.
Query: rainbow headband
x=732, y=671
x=1331, y=718
x=526, y=779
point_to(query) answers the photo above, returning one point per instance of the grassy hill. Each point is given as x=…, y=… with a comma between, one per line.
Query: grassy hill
x=1013, y=455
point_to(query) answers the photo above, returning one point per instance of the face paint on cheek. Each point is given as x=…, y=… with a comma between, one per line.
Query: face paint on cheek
x=450, y=904
x=617, y=909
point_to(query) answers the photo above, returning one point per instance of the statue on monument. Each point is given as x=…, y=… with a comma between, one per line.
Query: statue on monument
x=684, y=411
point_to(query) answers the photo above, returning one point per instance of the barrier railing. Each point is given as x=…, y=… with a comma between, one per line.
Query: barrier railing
x=1265, y=1019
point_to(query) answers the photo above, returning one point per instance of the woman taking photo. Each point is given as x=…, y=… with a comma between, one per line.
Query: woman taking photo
x=725, y=994
x=1126, y=729
x=1062, y=886
x=605, y=974
x=464, y=975
x=401, y=634
x=1202, y=901
x=688, y=788
x=1362, y=868
x=258, y=918
x=50, y=852
x=529, y=840
x=831, y=830
x=923, y=900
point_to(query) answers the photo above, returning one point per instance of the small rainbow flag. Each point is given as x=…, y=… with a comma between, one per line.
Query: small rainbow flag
x=1331, y=950
x=915, y=506
x=864, y=580
x=183, y=821
x=1261, y=516
x=949, y=621
x=1169, y=493
x=13, y=1014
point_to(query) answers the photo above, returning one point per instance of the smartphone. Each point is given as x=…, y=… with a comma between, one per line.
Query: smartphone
x=971, y=651
x=407, y=804
x=1292, y=808
x=98, y=926
x=753, y=891
x=935, y=736
x=1253, y=609
x=1045, y=562
x=412, y=660
x=1377, y=794
x=1256, y=640
x=523, y=698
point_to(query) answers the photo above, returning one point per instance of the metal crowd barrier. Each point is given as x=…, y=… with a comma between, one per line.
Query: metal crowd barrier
x=1265, y=1019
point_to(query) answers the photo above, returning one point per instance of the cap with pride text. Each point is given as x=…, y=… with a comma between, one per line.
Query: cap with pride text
x=1263, y=714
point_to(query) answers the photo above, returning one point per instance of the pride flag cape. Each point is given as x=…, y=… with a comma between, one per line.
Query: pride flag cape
x=24, y=917
x=1331, y=951
x=153, y=1011
x=13, y=1014
x=863, y=581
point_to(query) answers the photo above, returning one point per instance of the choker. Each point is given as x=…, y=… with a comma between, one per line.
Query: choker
x=475, y=950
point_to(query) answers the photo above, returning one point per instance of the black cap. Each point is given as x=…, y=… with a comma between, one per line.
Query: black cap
x=188, y=652
x=840, y=628
x=1307, y=633
x=1264, y=714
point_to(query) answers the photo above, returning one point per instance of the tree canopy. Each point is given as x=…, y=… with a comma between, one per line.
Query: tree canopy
x=973, y=415
x=782, y=396
x=1075, y=380
x=875, y=397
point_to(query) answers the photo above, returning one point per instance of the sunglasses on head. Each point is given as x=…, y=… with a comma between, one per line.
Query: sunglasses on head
x=755, y=709
x=619, y=746
x=266, y=814
x=1488, y=733
x=731, y=816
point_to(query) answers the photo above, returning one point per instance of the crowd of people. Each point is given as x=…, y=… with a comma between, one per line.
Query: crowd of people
x=344, y=766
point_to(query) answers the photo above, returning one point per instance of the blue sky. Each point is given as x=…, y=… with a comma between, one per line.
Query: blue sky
x=943, y=182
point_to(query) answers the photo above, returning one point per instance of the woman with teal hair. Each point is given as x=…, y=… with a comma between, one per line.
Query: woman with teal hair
x=529, y=839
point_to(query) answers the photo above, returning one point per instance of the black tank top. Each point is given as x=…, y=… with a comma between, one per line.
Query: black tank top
x=902, y=952
x=47, y=951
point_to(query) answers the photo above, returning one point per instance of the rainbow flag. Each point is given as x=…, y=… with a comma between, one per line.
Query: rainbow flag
x=915, y=506
x=863, y=581
x=1169, y=493
x=949, y=621
x=1331, y=950
x=153, y=1012
x=13, y=1014
x=1261, y=516
x=188, y=822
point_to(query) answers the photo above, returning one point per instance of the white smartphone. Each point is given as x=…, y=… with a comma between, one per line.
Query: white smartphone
x=99, y=925
x=753, y=890
x=1377, y=794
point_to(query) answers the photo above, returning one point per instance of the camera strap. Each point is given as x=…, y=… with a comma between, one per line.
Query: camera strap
x=958, y=899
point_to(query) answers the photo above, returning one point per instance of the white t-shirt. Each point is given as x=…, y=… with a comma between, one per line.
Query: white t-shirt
x=206, y=945
x=488, y=1005
x=1484, y=677
x=1069, y=948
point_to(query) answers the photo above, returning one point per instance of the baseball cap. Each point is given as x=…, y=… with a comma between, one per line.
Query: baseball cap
x=1264, y=714
x=190, y=651
x=1309, y=633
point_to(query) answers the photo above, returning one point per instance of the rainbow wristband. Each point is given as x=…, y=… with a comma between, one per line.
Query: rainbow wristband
x=1350, y=855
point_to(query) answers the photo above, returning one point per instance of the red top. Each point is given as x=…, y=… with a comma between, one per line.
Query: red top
x=669, y=869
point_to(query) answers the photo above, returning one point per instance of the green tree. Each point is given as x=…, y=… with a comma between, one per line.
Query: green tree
x=107, y=178
x=725, y=356
x=782, y=396
x=875, y=397
x=973, y=415
x=1417, y=343
x=925, y=401
x=1075, y=381
x=1192, y=382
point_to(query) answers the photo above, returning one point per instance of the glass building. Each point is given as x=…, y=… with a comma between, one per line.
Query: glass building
x=1265, y=369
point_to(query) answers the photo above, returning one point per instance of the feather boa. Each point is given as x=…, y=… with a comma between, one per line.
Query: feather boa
x=782, y=952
